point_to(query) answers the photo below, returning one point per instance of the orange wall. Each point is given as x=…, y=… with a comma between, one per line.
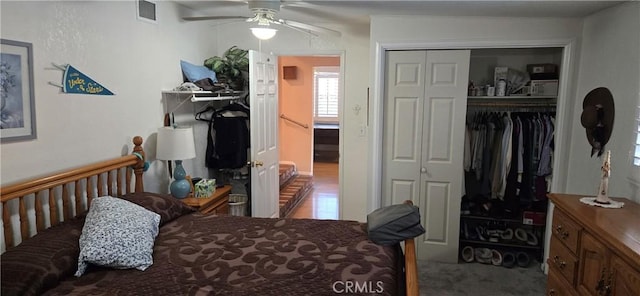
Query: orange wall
x=296, y=102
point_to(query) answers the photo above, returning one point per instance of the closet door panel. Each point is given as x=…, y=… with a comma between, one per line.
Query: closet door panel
x=436, y=215
x=440, y=130
x=400, y=188
x=403, y=126
x=406, y=124
x=442, y=152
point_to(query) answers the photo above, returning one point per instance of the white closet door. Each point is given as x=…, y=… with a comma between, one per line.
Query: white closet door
x=403, y=119
x=263, y=97
x=445, y=110
x=425, y=106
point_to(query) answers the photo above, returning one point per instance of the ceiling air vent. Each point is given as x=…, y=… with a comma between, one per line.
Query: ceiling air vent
x=147, y=11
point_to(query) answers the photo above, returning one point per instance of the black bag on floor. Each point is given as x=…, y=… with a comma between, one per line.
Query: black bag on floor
x=392, y=224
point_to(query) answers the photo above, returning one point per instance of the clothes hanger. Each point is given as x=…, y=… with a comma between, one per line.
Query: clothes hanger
x=232, y=107
x=208, y=108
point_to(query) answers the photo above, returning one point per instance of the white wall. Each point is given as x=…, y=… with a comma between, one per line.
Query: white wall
x=104, y=40
x=610, y=58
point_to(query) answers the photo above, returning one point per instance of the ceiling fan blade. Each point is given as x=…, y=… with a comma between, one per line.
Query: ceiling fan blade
x=207, y=18
x=309, y=27
x=295, y=28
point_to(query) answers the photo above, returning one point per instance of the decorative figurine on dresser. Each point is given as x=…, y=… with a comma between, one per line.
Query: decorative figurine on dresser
x=602, y=198
x=603, y=190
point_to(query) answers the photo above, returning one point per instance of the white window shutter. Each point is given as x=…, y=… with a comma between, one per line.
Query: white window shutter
x=326, y=94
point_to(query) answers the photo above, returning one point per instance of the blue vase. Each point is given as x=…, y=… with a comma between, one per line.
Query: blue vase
x=180, y=187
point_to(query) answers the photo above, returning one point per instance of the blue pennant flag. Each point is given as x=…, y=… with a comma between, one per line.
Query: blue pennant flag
x=75, y=82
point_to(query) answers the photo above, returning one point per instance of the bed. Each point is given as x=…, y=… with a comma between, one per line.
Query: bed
x=192, y=253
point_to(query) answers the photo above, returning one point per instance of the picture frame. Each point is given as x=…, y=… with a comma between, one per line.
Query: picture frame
x=17, y=100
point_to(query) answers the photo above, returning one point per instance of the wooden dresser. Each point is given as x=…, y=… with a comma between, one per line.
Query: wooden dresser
x=217, y=203
x=594, y=250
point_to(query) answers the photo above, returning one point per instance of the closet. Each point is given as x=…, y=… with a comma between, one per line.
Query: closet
x=435, y=101
x=220, y=121
x=261, y=163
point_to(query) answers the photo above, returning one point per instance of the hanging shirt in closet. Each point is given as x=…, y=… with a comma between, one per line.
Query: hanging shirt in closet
x=228, y=138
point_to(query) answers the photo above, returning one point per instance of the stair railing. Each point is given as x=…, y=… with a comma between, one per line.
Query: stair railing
x=294, y=121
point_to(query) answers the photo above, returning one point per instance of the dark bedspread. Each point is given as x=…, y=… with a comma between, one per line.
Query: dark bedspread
x=204, y=254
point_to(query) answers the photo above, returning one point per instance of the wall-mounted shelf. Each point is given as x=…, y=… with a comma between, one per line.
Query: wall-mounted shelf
x=512, y=101
x=202, y=96
x=511, y=97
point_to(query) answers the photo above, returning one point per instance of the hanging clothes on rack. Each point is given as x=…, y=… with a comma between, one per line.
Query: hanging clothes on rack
x=508, y=158
x=227, y=136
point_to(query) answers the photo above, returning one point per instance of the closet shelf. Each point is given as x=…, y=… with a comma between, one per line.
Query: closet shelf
x=202, y=96
x=513, y=101
x=496, y=98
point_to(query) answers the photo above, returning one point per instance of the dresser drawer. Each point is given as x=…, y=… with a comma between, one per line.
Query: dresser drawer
x=565, y=230
x=556, y=286
x=562, y=260
x=219, y=206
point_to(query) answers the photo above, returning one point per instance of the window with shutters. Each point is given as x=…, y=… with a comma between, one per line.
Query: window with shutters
x=326, y=94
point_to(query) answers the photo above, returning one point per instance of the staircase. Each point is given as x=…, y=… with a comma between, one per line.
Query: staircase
x=293, y=188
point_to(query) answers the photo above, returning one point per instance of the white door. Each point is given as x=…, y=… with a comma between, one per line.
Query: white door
x=424, y=125
x=403, y=126
x=263, y=99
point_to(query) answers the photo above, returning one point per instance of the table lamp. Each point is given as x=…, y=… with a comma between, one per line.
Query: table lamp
x=177, y=144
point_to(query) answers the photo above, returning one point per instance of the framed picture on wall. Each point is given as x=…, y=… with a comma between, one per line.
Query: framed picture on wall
x=17, y=105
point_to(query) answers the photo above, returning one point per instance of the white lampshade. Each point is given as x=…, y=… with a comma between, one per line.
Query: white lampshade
x=175, y=143
x=263, y=33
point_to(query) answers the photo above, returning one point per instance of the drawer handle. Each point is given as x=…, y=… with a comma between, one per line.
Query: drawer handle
x=600, y=286
x=562, y=233
x=561, y=264
x=552, y=292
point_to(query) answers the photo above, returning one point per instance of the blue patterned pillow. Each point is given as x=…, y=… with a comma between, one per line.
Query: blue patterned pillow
x=117, y=234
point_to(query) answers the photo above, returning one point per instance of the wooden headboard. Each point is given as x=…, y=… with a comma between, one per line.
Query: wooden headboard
x=72, y=189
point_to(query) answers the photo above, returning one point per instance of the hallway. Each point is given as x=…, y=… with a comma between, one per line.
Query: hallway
x=322, y=201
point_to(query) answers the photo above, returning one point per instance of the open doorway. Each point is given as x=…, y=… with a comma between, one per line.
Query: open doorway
x=309, y=100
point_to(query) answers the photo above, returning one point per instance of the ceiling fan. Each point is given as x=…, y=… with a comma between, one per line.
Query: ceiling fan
x=264, y=15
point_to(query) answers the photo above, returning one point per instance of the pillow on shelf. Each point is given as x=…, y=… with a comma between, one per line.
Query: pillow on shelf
x=117, y=234
x=168, y=207
x=195, y=72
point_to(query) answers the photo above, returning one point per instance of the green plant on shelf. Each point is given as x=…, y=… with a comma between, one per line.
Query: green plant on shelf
x=231, y=68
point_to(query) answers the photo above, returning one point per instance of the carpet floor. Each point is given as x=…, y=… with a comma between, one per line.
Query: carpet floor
x=444, y=279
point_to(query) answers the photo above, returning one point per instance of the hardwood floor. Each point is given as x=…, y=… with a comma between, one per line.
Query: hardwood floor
x=322, y=201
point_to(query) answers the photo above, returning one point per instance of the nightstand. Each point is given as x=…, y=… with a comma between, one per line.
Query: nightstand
x=218, y=203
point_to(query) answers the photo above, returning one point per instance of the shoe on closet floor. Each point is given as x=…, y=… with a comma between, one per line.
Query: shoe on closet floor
x=508, y=260
x=468, y=254
x=483, y=255
x=496, y=257
x=523, y=259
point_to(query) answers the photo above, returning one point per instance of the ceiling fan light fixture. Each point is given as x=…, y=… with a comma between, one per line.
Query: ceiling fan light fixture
x=263, y=33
